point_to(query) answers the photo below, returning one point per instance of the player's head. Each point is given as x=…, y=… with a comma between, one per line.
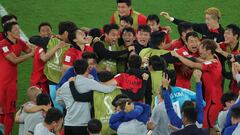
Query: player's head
x=125, y=22
x=64, y=28
x=231, y=34
x=54, y=119
x=119, y=96
x=189, y=115
x=134, y=61
x=228, y=99
x=94, y=126
x=43, y=99
x=157, y=63
x=157, y=39
x=128, y=36
x=91, y=58
x=183, y=29
x=125, y=104
x=8, y=18
x=111, y=32
x=235, y=115
x=124, y=7
x=12, y=30
x=143, y=35
x=154, y=22
x=33, y=92
x=77, y=37
x=94, y=33
x=212, y=17
x=81, y=67
x=45, y=29
x=207, y=48
x=192, y=41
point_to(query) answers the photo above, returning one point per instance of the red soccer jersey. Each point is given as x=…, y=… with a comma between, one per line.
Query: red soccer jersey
x=176, y=44
x=37, y=77
x=8, y=72
x=212, y=82
x=167, y=36
x=183, y=80
x=73, y=54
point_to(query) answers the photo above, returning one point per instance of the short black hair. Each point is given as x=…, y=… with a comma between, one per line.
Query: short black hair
x=171, y=75
x=190, y=113
x=8, y=27
x=235, y=29
x=108, y=27
x=66, y=26
x=94, y=126
x=209, y=44
x=127, y=19
x=80, y=66
x=134, y=61
x=227, y=97
x=119, y=96
x=53, y=115
x=186, y=104
x=105, y=76
x=236, y=112
x=128, y=2
x=43, y=99
x=72, y=35
x=44, y=24
x=129, y=29
x=6, y=18
x=95, y=32
x=89, y=55
x=157, y=38
x=183, y=27
x=144, y=28
x=122, y=102
x=192, y=34
x=153, y=17
x=157, y=63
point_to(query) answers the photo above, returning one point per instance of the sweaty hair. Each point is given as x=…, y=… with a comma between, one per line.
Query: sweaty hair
x=190, y=113
x=43, y=99
x=191, y=34
x=215, y=12
x=108, y=27
x=44, y=24
x=183, y=27
x=157, y=63
x=128, y=2
x=80, y=66
x=236, y=113
x=153, y=17
x=157, y=38
x=144, y=28
x=89, y=55
x=127, y=19
x=209, y=45
x=6, y=18
x=227, y=97
x=235, y=29
x=8, y=27
x=66, y=26
x=94, y=126
x=53, y=115
x=134, y=61
x=119, y=96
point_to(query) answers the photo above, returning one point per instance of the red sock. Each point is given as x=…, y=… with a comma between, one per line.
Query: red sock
x=8, y=123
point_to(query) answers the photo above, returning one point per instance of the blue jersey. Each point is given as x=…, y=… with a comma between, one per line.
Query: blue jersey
x=70, y=73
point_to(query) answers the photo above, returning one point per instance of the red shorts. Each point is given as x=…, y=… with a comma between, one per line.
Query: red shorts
x=8, y=97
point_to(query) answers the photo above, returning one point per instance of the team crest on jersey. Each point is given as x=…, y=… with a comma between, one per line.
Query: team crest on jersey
x=185, y=53
x=5, y=49
x=67, y=58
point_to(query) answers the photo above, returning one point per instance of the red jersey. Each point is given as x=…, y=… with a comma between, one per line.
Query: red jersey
x=72, y=54
x=183, y=80
x=8, y=72
x=176, y=44
x=233, y=83
x=212, y=82
x=37, y=77
x=167, y=36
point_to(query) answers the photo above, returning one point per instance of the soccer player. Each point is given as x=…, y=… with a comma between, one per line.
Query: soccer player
x=53, y=67
x=78, y=41
x=124, y=8
x=10, y=56
x=235, y=120
x=125, y=22
x=227, y=49
x=6, y=19
x=154, y=22
x=143, y=38
x=128, y=37
x=211, y=29
x=45, y=29
x=212, y=78
x=190, y=50
x=94, y=127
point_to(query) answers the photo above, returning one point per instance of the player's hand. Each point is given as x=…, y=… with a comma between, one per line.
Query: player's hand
x=175, y=54
x=72, y=79
x=165, y=80
x=33, y=50
x=131, y=48
x=168, y=29
x=61, y=44
x=166, y=15
x=145, y=76
x=197, y=75
x=46, y=108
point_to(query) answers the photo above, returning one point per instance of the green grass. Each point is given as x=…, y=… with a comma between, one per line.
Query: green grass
x=96, y=13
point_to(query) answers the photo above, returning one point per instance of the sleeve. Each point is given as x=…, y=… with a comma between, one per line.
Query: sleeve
x=25, y=47
x=190, y=94
x=116, y=119
x=102, y=52
x=119, y=78
x=144, y=117
x=156, y=115
x=199, y=103
x=136, y=96
x=198, y=27
x=173, y=117
x=142, y=19
x=94, y=85
x=34, y=124
x=134, y=113
x=229, y=130
x=68, y=59
x=84, y=97
x=228, y=118
x=5, y=50
x=169, y=58
x=68, y=74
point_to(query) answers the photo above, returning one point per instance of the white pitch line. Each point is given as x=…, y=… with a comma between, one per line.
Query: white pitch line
x=4, y=12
